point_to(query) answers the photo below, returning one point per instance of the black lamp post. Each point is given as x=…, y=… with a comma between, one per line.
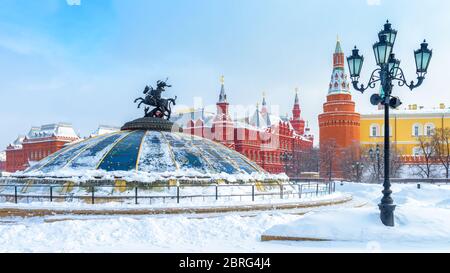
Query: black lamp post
x=286, y=158
x=372, y=157
x=389, y=70
x=358, y=167
x=378, y=162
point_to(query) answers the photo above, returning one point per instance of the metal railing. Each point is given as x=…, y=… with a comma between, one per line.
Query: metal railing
x=154, y=194
x=420, y=180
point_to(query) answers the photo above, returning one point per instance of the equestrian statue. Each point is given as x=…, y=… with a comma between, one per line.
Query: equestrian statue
x=163, y=106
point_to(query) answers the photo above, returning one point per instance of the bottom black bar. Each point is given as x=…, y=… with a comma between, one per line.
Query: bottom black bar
x=228, y=262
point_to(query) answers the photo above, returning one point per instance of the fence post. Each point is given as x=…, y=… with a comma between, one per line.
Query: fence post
x=281, y=191
x=51, y=193
x=300, y=187
x=317, y=189
x=217, y=192
x=93, y=196
x=135, y=195
x=178, y=194
x=15, y=194
x=253, y=193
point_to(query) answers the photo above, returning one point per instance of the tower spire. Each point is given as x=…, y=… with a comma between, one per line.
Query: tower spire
x=257, y=115
x=339, y=82
x=338, y=46
x=223, y=95
x=296, y=96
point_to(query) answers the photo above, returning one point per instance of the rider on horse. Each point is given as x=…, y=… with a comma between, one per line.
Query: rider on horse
x=162, y=106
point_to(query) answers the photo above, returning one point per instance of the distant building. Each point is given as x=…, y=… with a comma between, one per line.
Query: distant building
x=104, y=129
x=40, y=142
x=262, y=137
x=2, y=161
x=406, y=126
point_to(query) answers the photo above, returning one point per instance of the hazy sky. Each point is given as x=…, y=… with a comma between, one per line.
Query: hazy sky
x=84, y=61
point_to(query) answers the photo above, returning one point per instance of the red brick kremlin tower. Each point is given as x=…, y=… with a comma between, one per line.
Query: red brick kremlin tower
x=223, y=125
x=296, y=121
x=339, y=124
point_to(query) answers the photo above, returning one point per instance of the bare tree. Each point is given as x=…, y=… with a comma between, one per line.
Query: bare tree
x=308, y=160
x=328, y=150
x=352, y=163
x=374, y=166
x=425, y=167
x=441, y=145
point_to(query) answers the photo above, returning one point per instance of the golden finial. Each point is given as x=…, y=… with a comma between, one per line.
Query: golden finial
x=222, y=80
x=337, y=38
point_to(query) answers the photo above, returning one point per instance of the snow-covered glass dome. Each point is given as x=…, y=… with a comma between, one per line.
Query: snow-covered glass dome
x=148, y=156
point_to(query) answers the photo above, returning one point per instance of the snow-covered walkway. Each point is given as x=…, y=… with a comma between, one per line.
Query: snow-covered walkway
x=237, y=232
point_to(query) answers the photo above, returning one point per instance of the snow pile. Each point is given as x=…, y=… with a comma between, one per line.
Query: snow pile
x=144, y=234
x=83, y=175
x=363, y=224
x=421, y=215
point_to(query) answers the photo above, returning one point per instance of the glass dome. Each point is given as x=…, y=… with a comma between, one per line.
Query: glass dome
x=141, y=154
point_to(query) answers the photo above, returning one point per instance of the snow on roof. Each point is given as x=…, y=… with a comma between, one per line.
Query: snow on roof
x=423, y=111
x=104, y=129
x=183, y=117
x=49, y=130
x=17, y=144
x=266, y=120
x=2, y=156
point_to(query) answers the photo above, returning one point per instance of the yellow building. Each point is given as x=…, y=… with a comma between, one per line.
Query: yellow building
x=406, y=126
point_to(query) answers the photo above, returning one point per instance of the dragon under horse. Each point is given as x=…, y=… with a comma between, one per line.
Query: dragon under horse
x=163, y=106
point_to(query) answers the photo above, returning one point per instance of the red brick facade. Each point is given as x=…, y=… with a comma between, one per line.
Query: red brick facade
x=34, y=147
x=261, y=144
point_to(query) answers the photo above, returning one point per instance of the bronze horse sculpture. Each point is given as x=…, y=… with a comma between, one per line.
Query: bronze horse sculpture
x=153, y=97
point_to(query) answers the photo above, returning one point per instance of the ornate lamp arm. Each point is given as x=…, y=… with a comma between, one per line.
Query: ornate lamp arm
x=402, y=80
x=371, y=84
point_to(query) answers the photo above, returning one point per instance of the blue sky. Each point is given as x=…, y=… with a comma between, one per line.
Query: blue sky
x=84, y=61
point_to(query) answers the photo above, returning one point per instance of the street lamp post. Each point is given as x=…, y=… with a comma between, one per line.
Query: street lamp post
x=359, y=168
x=389, y=70
x=378, y=162
x=372, y=158
x=286, y=158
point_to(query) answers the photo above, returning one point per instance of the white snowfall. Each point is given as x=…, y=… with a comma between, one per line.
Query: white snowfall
x=422, y=224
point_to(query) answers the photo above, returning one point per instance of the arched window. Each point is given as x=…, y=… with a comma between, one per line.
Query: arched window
x=374, y=130
x=417, y=130
x=429, y=128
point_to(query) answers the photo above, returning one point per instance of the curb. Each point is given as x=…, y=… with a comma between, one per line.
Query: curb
x=14, y=212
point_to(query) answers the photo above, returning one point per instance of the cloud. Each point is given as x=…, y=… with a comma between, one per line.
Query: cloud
x=73, y=2
x=373, y=2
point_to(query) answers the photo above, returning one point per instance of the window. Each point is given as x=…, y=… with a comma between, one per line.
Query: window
x=374, y=130
x=417, y=151
x=429, y=127
x=416, y=130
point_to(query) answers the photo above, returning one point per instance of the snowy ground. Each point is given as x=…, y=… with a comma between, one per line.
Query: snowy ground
x=423, y=220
